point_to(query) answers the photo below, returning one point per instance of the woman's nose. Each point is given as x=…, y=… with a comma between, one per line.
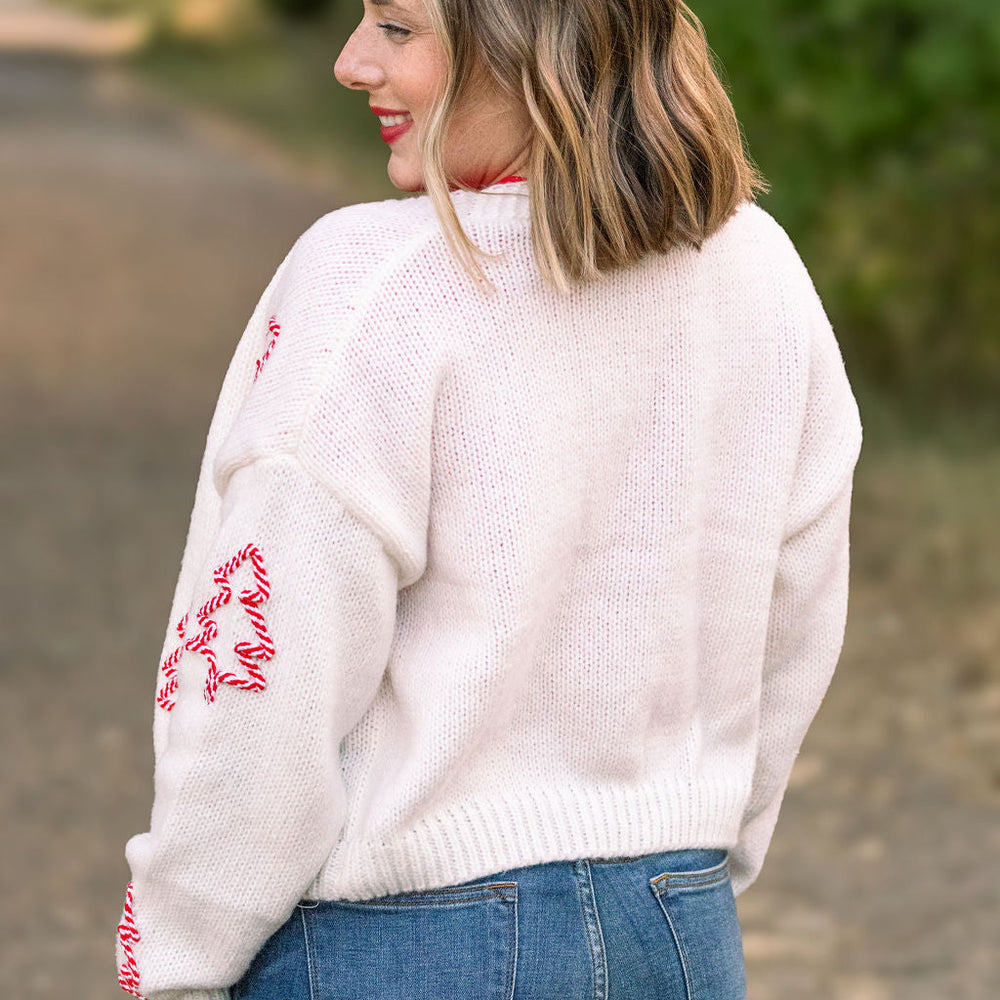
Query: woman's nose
x=355, y=67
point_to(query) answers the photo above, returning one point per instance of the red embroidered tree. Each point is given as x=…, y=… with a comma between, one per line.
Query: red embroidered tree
x=250, y=654
x=128, y=934
x=274, y=328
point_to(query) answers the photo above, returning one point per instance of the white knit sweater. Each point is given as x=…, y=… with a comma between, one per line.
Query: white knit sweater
x=474, y=582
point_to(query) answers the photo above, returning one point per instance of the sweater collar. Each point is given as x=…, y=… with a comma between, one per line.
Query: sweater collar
x=509, y=179
x=500, y=210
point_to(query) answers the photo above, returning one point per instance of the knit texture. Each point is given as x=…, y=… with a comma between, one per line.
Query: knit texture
x=480, y=581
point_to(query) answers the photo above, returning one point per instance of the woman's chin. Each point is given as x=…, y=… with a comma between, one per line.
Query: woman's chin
x=404, y=177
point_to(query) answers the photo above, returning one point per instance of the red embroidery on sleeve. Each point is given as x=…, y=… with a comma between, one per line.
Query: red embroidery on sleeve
x=128, y=934
x=250, y=654
x=275, y=329
x=164, y=697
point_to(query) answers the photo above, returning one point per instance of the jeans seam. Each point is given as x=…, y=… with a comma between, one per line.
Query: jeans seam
x=592, y=925
x=310, y=971
x=680, y=953
x=512, y=959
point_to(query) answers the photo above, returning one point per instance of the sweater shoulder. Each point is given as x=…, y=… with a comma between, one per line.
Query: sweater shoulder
x=754, y=236
x=831, y=430
x=316, y=306
x=754, y=265
x=752, y=220
x=376, y=223
x=357, y=241
x=780, y=268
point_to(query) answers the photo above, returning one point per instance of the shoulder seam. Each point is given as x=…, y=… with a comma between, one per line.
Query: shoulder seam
x=362, y=303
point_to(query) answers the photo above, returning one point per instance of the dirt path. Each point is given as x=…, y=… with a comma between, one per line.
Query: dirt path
x=34, y=25
x=131, y=253
x=132, y=250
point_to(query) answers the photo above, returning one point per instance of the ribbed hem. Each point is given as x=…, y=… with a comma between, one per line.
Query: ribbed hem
x=479, y=836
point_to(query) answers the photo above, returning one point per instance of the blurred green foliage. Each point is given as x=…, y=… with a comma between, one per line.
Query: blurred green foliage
x=876, y=122
x=298, y=9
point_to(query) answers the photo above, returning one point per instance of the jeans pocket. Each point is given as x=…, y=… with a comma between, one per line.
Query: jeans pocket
x=453, y=943
x=703, y=930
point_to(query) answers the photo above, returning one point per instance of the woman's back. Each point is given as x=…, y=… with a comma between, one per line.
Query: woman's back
x=491, y=577
x=585, y=497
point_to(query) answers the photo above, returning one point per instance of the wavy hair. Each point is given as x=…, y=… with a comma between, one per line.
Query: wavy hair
x=635, y=147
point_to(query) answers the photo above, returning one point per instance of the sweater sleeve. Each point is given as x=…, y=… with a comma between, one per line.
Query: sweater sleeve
x=311, y=516
x=280, y=653
x=808, y=610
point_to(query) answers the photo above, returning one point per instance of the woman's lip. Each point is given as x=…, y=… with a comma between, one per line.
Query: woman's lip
x=387, y=111
x=390, y=133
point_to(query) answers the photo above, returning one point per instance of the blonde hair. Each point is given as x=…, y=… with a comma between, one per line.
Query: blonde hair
x=635, y=146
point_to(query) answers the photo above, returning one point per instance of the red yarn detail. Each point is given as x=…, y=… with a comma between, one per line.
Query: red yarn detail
x=128, y=934
x=165, y=696
x=250, y=654
x=275, y=329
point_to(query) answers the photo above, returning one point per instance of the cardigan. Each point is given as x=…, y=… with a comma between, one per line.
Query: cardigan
x=476, y=580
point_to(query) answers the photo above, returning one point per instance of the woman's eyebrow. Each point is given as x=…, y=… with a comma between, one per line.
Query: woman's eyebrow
x=401, y=8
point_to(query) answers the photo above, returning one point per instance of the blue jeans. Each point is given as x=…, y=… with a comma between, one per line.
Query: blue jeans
x=656, y=927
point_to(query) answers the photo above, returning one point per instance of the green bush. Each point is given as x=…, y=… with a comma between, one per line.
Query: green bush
x=877, y=123
x=299, y=10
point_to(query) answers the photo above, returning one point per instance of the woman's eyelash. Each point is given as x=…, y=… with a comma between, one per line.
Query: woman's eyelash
x=394, y=29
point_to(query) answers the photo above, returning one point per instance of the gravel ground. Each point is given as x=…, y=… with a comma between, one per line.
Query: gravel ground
x=133, y=247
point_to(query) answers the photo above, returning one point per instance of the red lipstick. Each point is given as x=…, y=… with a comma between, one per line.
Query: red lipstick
x=390, y=133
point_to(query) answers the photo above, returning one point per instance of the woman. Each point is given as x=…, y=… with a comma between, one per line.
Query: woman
x=518, y=562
